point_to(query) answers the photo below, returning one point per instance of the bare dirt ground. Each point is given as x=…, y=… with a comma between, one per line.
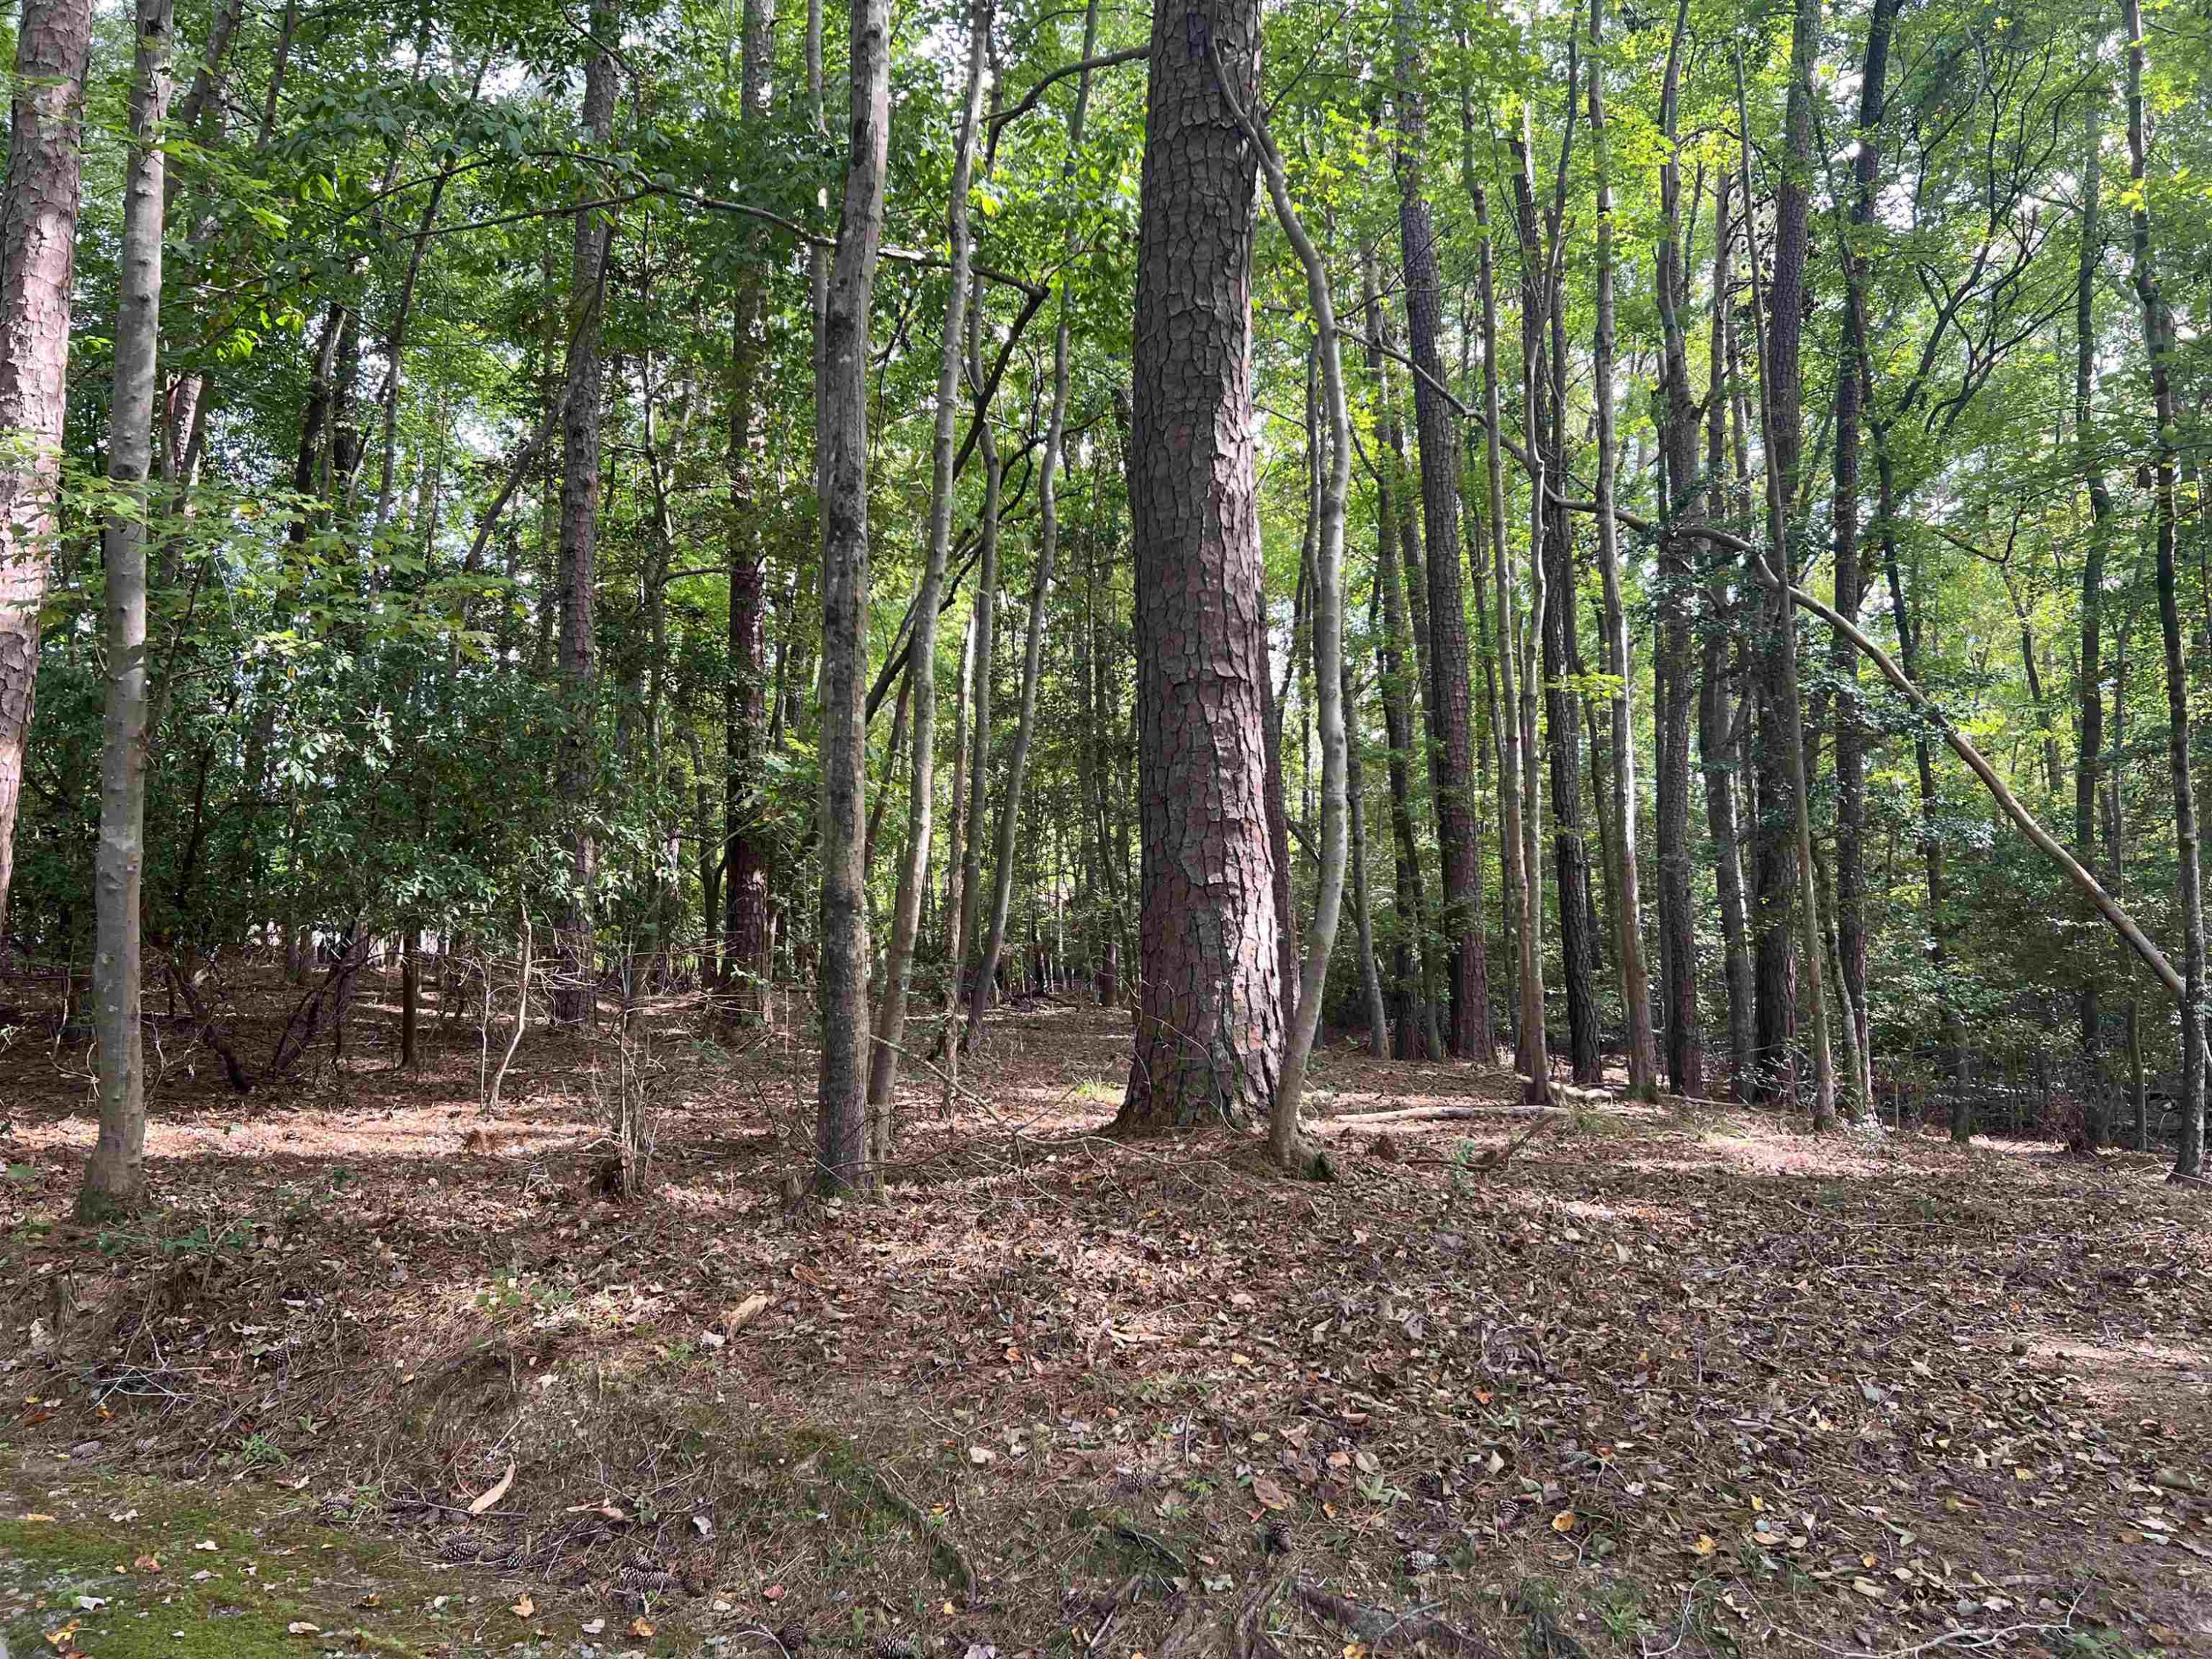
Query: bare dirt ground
x=1674, y=1380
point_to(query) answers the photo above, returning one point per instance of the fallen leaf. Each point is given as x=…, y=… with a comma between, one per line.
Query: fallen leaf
x=1704, y=1546
x=593, y=1626
x=773, y=1593
x=61, y=1638
x=1270, y=1495
x=745, y=1313
x=29, y=1518
x=980, y=1456
x=524, y=1607
x=301, y=1627
x=1868, y=1588
x=641, y=1626
x=478, y=1505
x=147, y=1564
x=1563, y=1522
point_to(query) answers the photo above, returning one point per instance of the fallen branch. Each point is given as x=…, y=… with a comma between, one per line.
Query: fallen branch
x=1442, y=1114
x=932, y=1534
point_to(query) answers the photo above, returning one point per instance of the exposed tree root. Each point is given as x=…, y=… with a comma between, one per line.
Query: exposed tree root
x=1381, y=1629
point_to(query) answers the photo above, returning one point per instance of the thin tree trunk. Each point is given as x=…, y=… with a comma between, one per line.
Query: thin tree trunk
x=745, y=706
x=921, y=654
x=1397, y=710
x=1684, y=502
x=1283, y=1144
x=1210, y=1020
x=37, y=266
x=1458, y=830
x=1781, y=402
x=1516, y=733
x=1852, y=386
x=841, y=1123
x=115, y=1175
x=1570, y=852
x=579, y=513
x=2158, y=347
x=983, y=623
x=2089, y=684
x=1635, y=987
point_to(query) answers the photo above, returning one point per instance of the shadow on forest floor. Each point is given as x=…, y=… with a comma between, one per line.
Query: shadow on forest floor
x=1671, y=1381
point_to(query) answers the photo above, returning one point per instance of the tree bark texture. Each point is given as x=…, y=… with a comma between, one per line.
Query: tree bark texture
x=37, y=266
x=1210, y=1016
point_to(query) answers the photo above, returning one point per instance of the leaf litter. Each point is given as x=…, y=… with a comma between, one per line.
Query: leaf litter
x=1676, y=1375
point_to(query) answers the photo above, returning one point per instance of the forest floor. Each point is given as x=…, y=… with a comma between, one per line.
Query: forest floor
x=383, y=1373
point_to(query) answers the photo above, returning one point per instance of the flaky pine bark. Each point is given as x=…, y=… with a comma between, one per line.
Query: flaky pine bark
x=1780, y=406
x=1635, y=985
x=115, y=1175
x=921, y=653
x=1684, y=501
x=1458, y=830
x=2158, y=348
x=37, y=266
x=840, y=1122
x=579, y=526
x=745, y=842
x=1210, y=1019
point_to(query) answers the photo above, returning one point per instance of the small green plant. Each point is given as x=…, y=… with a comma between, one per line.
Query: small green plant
x=258, y=1451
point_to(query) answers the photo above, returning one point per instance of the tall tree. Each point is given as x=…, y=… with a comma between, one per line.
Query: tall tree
x=37, y=266
x=1851, y=388
x=1209, y=1017
x=1635, y=988
x=1683, y=504
x=2158, y=333
x=115, y=1175
x=1459, y=832
x=921, y=652
x=745, y=696
x=2088, y=755
x=841, y=1143
x=580, y=528
x=1785, y=848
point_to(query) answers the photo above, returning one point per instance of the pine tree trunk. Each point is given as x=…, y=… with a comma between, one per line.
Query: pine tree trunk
x=840, y=1123
x=115, y=1175
x=38, y=264
x=1210, y=1023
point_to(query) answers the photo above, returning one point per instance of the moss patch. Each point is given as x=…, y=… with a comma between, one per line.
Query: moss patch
x=241, y=1575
